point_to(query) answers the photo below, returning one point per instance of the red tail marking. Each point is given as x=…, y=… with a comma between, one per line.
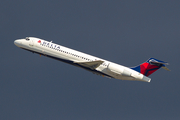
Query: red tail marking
x=148, y=69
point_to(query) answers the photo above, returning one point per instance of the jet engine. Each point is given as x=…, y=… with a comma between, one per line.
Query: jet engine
x=117, y=69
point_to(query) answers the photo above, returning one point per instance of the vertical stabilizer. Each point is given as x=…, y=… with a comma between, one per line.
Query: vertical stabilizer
x=150, y=66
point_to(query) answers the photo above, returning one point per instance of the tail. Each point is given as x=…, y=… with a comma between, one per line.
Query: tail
x=150, y=66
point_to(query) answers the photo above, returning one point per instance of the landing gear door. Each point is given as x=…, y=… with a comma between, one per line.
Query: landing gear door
x=31, y=43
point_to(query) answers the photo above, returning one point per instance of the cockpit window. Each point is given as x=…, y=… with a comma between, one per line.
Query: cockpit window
x=27, y=38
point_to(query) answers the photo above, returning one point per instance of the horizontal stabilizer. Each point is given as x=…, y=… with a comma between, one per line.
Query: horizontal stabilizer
x=153, y=60
x=92, y=65
x=164, y=67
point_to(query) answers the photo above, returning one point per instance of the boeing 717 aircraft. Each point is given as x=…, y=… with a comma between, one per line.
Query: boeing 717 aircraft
x=91, y=63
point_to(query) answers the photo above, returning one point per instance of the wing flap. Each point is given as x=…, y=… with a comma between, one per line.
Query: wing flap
x=92, y=65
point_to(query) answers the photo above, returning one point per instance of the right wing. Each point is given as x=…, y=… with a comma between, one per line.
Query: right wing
x=92, y=65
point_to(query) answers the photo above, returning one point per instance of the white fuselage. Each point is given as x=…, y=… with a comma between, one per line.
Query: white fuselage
x=58, y=52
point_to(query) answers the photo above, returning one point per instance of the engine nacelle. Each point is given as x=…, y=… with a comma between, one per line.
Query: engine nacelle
x=117, y=69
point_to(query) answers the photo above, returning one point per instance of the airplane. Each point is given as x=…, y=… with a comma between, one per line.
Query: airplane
x=91, y=63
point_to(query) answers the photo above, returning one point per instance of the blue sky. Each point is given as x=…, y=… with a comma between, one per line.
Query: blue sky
x=125, y=32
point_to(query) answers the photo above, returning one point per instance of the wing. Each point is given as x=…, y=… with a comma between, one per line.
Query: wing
x=92, y=65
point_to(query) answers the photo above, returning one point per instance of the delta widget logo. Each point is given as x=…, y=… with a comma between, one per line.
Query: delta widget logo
x=39, y=41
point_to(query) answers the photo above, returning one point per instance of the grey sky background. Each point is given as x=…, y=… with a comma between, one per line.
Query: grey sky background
x=126, y=32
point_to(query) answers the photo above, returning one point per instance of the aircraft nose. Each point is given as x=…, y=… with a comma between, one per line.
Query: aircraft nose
x=17, y=42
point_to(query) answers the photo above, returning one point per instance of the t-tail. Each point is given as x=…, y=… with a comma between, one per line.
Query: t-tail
x=150, y=66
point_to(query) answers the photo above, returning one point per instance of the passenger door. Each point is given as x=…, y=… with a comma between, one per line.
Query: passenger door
x=31, y=43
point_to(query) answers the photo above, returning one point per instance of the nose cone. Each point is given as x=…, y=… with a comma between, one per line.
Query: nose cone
x=17, y=43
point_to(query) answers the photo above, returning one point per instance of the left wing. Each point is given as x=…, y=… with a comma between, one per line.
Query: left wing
x=92, y=65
